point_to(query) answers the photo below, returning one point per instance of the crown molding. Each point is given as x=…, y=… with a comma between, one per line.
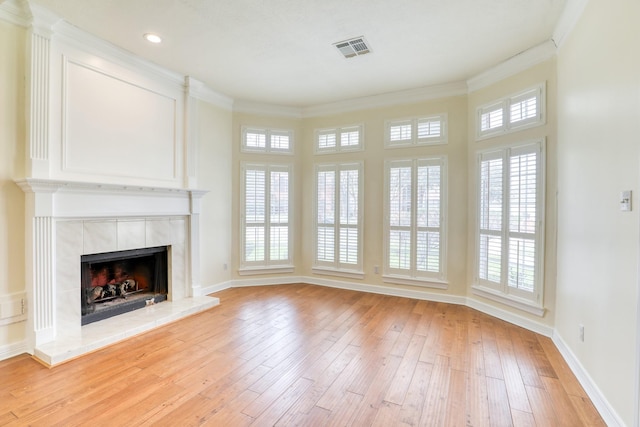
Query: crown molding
x=354, y=104
x=250, y=107
x=570, y=16
x=199, y=90
x=387, y=99
x=16, y=12
x=513, y=65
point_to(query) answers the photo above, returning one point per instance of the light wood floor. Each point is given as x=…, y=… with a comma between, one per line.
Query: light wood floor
x=308, y=356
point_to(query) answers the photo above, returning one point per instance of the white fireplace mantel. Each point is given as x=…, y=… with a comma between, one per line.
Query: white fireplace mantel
x=68, y=219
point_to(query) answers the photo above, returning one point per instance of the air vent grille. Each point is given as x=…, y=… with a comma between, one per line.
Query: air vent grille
x=353, y=47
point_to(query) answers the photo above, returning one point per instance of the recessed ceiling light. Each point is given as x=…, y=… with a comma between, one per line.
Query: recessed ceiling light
x=153, y=38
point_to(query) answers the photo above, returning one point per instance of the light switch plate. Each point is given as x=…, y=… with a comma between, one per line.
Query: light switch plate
x=625, y=201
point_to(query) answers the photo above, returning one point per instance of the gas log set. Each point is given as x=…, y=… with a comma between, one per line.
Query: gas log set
x=117, y=282
x=109, y=292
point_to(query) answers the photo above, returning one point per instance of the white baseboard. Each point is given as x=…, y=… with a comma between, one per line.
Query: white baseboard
x=214, y=288
x=510, y=317
x=384, y=290
x=599, y=400
x=15, y=349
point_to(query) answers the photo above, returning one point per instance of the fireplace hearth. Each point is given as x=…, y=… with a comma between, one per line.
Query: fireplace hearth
x=118, y=282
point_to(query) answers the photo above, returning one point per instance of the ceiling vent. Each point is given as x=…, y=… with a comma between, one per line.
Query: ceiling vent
x=353, y=47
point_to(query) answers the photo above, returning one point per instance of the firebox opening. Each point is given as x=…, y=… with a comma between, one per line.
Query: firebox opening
x=118, y=282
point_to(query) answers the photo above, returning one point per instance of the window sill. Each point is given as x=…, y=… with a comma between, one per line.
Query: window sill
x=350, y=274
x=415, y=281
x=511, y=301
x=251, y=271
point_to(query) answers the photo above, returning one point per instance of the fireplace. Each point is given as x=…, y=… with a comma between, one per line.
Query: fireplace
x=118, y=282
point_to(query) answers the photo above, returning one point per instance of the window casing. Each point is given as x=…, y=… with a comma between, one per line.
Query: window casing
x=519, y=111
x=257, y=140
x=510, y=222
x=334, y=140
x=415, y=231
x=266, y=216
x=338, y=242
x=416, y=131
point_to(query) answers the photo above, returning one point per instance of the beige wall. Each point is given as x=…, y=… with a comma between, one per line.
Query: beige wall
x=598, y=156
x=12, y=136
x=214, y=172
x=542, y=73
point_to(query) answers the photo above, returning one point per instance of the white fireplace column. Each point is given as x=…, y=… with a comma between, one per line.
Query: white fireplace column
x=40, y=261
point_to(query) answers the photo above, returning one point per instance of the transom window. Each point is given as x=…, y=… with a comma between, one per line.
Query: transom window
x=414, y=226
x=348, y=138
x=519, y=111
x=416, y=131
x=509, y=237
x=267, y=140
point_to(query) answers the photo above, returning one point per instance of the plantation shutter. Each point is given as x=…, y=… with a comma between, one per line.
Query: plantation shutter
x=349, y=186
x=400, y=132
x=279, y=216
x=524, y=108
x=491, y=193
x=523, y=221
x=280, y=140
x=509, y=198
x=414, y=228
x=255, y=138
x=428, y=217
x=400, y=210
x=326, y=194
x=254, y=233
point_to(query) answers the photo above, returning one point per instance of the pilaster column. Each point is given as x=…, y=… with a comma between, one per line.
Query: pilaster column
x=195, y=197
x=192, y=87
x=38, y=91
x=40, y=260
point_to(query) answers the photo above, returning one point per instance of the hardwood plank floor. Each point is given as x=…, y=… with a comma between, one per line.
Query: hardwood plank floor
x=304, y=355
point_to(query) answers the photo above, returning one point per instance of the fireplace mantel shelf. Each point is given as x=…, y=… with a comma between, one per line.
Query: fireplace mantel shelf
x=36, y=185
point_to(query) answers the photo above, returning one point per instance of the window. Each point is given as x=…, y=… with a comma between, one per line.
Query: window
x=416, y=131
x=519, y=111
x=267, y=140
x=339, y=139
x=509, y=246
x=266, y=236
x=339, y=218
x=414, y=221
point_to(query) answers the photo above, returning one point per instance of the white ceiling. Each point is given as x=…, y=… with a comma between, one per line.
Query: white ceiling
x=281, y=51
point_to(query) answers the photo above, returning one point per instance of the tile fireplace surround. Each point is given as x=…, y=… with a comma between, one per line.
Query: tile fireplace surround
x=72, y=219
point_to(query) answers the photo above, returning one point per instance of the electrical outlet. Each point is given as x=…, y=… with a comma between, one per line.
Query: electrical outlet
x=376, y=269
x=225, y=266
x=581, y=332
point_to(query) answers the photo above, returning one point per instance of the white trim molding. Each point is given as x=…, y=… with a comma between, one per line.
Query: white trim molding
x=568, y=20
x=514, y=65
x=509, y=300
x=410, y=96
x=14, y=349
x=611, y=418
x=15, y=12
